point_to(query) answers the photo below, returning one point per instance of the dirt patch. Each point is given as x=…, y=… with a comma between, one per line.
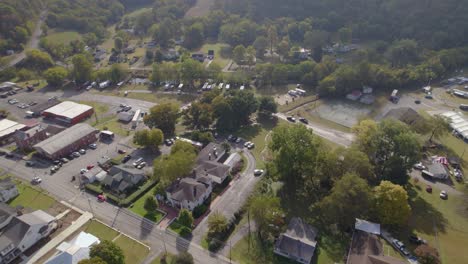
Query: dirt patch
x=56, y=209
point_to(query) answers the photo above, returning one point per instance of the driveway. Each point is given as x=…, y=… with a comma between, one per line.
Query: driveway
x=233, y=199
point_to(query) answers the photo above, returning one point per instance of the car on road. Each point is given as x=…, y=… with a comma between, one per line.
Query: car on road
x=64, y=160
x=127, y=108
x=141, y=165
x=82, y=151
x=32, y=103
x=258, y=172
x=93, y=146
x=137, y=162
x=168, y=142
x=76, y=154
x=121, y=151
x=303, y=120
x=54, y=169
x=125, y=93
x=89, y=167
x=419, y=166
x=291, y=119
x=36, y=180
x=30, y=163
x=398, y=244
x=126, y=158
x=83, y=171
x=249, y=145
x=443, y=195
x=417, y=101
x=404, y=251
x=416, y=240
x=428, y=96
x=53, y=98
x=101, y=198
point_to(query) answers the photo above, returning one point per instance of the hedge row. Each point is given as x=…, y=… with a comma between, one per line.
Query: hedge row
x=122, y=202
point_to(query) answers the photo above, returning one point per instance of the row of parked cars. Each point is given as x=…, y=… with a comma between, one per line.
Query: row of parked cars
x=76, y=154
x=301, y=119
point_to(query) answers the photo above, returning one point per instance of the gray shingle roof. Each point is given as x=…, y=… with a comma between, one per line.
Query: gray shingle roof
x=65, y=138
x=299, y=239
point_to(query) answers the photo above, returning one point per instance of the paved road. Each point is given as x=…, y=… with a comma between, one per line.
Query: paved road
x=232, y=200
x=32, y=44
x=338, y=137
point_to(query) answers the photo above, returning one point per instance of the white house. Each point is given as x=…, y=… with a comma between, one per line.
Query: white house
x=22, y=232
x=74, y=251
x=8, y=190
x=189, y=192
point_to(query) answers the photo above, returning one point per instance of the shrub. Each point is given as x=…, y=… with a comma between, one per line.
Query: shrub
x=185, y=231
x=199, y=210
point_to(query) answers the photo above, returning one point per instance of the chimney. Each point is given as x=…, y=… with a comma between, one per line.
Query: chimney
x=209, y=156
x=194, y=191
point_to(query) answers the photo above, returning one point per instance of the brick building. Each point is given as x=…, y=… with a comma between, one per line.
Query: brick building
x=25, y=140
x=69, y=112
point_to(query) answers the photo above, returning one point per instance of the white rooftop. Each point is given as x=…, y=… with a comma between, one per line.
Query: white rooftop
x=367, y=226
x=74, y=251
x=68, y=109
x=8, y=127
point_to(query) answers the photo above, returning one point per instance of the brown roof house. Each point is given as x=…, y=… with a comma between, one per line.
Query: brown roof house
x=210, y=162
x=298, y=242
x=189, y=192
x=367, y=246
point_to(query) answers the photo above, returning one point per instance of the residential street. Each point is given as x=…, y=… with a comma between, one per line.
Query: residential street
x=335, y=136
x=232, y=200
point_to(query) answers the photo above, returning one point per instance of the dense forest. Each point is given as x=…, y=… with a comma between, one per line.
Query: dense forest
x=436, y=24
x=16, y=22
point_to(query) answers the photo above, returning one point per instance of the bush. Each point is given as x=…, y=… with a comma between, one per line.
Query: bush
x=93, y=188
x=137, y=194
x=199, y=210
x=185, y=231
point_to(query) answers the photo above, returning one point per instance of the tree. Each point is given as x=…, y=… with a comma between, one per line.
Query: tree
x=391, y=203
x=260, y=45
x=267, y=214
x=427, y=254
x=183, y=258
x=182, y=146
x=267, y=105
x=163, y=116
x=345, y=34
x=55, y=76
x=191, y=70
x=350, y=198
x=149, y=138
x=108, y=251
x=234, y=111
x=151, y=204
x=38, y=60
x=238, y=54
x=118, y=44
x=193, y=36
x=185, y=218
x=82, y=68
x=272, y=37
x=391, y=146
x=283, y=48
x=117, y=73
x=403, y=51
x=439, y=127
x=217, y=223
x=95, y=260
x=178, y=164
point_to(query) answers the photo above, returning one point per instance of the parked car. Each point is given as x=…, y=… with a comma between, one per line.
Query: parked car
x=101, y=198
x=303, y=120
x=36, y=180
x=83, y=171
x=82, y=151
x=137, y=162
x=398, y=244
x=76, y=154
x=64, y=160
x=291, y=119
x=404, y=251
x=238, y=140
x=30, y=163
x=168, y=142
x=419, y=166
x=443, y=195
x=93, y=146
x=246, y=144
x=89, y=167
x=417, y=101
x=126, y=158
x=416, y=240
x=258, y=172
x=54, y=169
x=121, y=151
x=141, y=165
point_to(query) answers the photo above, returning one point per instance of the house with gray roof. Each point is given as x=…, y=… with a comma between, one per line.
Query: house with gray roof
x=123, y=178
x=298, y=243
x=24, y=231
x=189, y=192
x=210, y=162
x=8, y=190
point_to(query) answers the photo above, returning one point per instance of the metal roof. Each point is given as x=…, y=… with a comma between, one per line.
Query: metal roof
x=65, y=138
x=8, y=127
x=68, y=109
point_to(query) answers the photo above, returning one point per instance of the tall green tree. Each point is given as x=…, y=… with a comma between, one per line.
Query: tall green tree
x=82, y=68
x=190, y=71
x=151, y=138
x=391, y=203
x=194, y=35
x=439, y=126
x=117, y=73
x=185, y=218
x=163, y=116
x=267, y=214
x=38, y=60
x=267, y=105
x=151, y=204
x=217, y=223
x=238, y=54
x=178, y=164
x=108, y=251
x=55, y=76
x=183, y=258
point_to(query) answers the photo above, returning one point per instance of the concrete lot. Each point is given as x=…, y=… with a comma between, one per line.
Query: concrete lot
x=343, y=112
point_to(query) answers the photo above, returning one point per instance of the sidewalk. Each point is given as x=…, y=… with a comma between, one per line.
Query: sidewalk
x=83, y=219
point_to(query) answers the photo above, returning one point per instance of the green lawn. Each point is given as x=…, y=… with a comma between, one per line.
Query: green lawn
x=256, y=252
x=297, y=103
x=178, y=228
x=101, y=231
x=138, y=208
x=42, y=84
x=257, y=135
x=306, y=113
x=31, y=198
x=443, y=223
x=63, y=37
x=99, y=108
x=134, y=251
x=220, y=60
x=157, y=260
x=113, y=125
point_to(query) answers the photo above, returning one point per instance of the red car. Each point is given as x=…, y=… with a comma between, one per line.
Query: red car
x=101, y=198
x=429, y=189
x=90, y=167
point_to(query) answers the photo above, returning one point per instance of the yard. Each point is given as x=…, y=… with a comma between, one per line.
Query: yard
x=157, y=260
x=63, y=37
x=218, y=58
x=113, y=125
x=256, y=253
x=99, y=109
x=134, y=251
x=179, y=229
x=30, y=197
x=138, y=208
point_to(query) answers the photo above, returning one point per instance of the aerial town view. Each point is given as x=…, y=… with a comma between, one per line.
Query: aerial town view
x=233, y=131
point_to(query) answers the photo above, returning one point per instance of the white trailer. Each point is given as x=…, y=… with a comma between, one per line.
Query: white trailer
x=136, y=118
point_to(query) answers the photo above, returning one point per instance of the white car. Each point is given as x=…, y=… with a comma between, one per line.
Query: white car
x=443, y=195
x=82, y=151
x=36, y=180
x=258, y=172
x=246, y=144
x=82, y=171
x=419, y=166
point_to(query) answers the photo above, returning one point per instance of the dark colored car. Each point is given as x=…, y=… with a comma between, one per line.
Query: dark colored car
x=303, y=120
x=416, y=240
x=126, y=158
x=291, y=119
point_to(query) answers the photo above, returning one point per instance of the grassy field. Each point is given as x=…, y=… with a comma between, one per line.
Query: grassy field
x=256, y=252
x=256, y=134
x=443, y=223
x=31, y=198
x=113, y=125
x=157, y=260
x=99, y=109
x=220, y=60
x=42, y=84
x=63, y=37
x=306, y=113
x=134, y=252
x=100, y=231
x=138, y=208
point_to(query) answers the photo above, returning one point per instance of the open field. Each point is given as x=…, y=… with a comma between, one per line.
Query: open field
x=134, y=252
x=138, y=208
x=100, y=231
x=30, y=197
x=115, y=126
x=218, y=59
x=63, y=37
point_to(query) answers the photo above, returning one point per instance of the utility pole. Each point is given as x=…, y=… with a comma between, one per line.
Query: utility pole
x=230, y=249
x=248, y=220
